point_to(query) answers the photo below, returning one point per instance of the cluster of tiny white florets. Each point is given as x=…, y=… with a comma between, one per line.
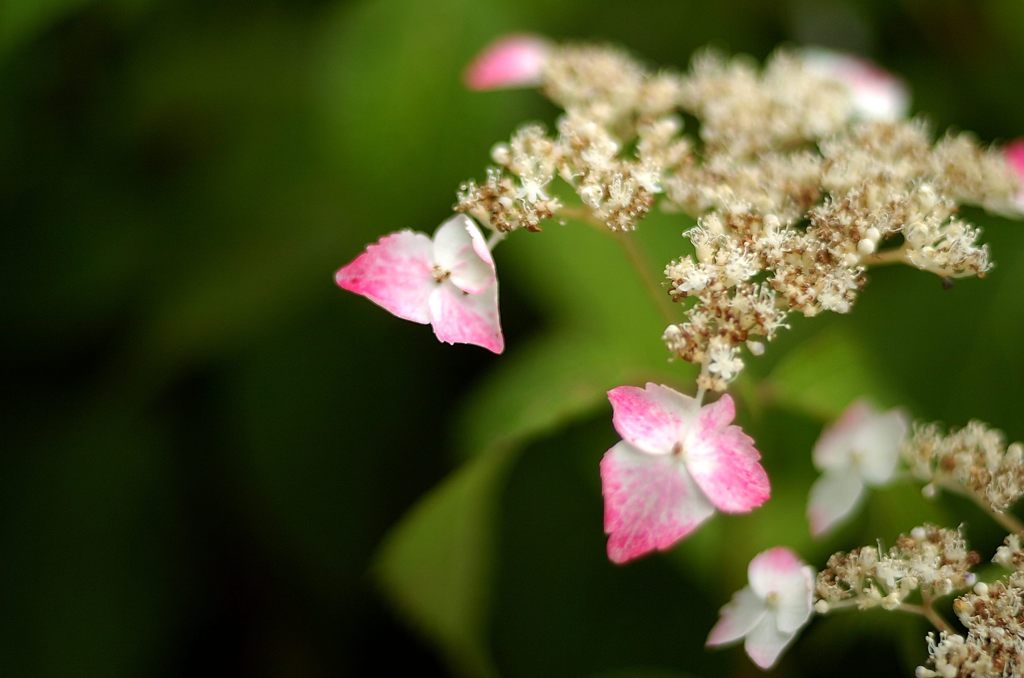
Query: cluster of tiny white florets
x=1010, y=555
x=994, y=645
x=974, y=460
x=933, y=560
x=794, y=195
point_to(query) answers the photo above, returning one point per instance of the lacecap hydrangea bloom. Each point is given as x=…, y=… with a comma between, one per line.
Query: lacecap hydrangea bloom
x=769, y=613
x=677, y=463
x=448, y=281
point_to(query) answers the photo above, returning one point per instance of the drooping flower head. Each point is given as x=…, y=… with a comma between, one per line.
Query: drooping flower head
x=861, y=449
x=677, y=462
x=511, y=61
x=448, y=281
x=877, y=94
x=769, y=612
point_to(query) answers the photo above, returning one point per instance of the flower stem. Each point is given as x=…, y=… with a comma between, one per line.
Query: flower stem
x=896, y=256
x=495, y=238
x=1006, y=520
x=633, y=253
x=929, y=613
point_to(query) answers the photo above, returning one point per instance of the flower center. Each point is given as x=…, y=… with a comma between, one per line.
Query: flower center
x=772, y=599
x=678, y=450
x=440, y=275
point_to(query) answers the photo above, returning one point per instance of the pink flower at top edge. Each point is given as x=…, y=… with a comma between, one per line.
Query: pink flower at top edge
x=877, y=94
x=861, y=449
x=771, y=610
x=1015, y=158
x=511, y=61
x=677, y=462
x=448, y=281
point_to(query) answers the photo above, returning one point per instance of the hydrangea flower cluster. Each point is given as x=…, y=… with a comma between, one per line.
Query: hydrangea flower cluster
x=801, y=175
x=974, y=460
x=930, y=559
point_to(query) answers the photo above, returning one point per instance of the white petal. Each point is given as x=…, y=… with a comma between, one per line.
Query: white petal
x=796, y=600
x=738, y=617
x=834, y=446
x=878, y=443
x=766, y=642
x=834, y=496
x=461, y=251
x=462, y=318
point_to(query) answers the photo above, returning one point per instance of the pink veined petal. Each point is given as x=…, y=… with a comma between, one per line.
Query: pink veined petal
x=796, y=600
x=832, y=450
x=511, y=61
x=650, y=502
x=461, y=318
x=738, y=617
x=877, y=446
x=834, y=496
x=461, y=251
x=765, y=643
x=723, y=460
x=394, y=273
x=653, y=418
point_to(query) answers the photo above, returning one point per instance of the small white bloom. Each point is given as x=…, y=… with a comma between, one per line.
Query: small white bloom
x=861, y=449
x=771, y=610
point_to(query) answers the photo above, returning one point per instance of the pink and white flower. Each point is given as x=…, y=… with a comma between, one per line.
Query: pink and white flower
x=877, y=94
x=861, y=449
x=677, y=462
x=448, y=282
x=1015, y=158
x=769, y=612
x=511, y=61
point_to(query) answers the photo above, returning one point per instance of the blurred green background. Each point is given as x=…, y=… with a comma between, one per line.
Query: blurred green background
x=216, y=463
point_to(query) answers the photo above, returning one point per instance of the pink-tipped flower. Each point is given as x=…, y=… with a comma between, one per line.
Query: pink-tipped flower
x=877, y=94
x=448, y=282
x=771, y=610
x=677, y=462
x=859, y=450
x=511, y=61
x=1015, y=158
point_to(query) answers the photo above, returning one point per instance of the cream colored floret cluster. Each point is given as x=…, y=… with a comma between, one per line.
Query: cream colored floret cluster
x=933, y=560
x=974, y=460
x=793, y=194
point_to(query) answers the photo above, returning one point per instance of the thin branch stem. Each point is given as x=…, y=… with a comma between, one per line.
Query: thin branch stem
x=495, y=238
x=636, y=258
x=887, y=257
x=929, y=613
x=1006, y=520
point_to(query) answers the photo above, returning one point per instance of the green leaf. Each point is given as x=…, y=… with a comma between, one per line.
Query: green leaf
x=825, y=374
x=547, y=384
x=436, y=565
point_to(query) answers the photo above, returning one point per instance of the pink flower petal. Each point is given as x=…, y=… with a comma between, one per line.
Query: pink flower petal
x=461, y=251
x=1015, y=157
x=723, y=460
x=738, y=617
x=652, y=418
x=834, y=497
x=764, y=645
x=650, y=502
x=395, y=273
x=462, y=318
x=512, y=61
x=831, y=451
